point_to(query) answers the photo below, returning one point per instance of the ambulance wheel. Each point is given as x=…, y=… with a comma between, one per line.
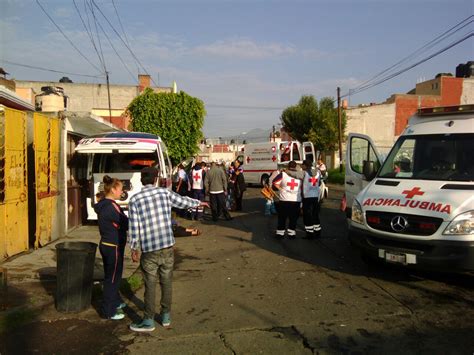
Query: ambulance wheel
x=264, y=180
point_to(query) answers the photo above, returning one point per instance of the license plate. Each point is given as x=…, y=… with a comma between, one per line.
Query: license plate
x=396, y=258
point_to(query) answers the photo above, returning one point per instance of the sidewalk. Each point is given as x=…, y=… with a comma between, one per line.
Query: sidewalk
x=40, y=264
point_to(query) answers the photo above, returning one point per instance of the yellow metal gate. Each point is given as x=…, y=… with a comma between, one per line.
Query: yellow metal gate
x=46, y=146
x=13, y=183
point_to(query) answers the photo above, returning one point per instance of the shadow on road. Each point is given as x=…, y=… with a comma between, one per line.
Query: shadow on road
x=330, y=252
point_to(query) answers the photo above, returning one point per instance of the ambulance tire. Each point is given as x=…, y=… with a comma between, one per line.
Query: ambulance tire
x=264, y=180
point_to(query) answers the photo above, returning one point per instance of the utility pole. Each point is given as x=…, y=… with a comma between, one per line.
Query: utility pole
x=108, y=93
x=339, y=121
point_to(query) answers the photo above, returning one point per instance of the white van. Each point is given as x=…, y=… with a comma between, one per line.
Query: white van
x=122, y=155
x=417, y=208
x=262, y=159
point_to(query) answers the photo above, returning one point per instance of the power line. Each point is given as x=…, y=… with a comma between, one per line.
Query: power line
x=87, y=30
x=72, y=44
x=50, y=70
x=118, y=55
x=98, y=37
x=123, y=30
x=120, y=23
x=422, y=49
x=121, y=39
x=380, y=81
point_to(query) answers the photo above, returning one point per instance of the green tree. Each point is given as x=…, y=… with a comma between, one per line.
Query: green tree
x=315, y=122
x=176, y=118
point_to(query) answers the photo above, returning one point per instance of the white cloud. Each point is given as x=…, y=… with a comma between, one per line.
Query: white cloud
x=168, y=47
x=63, y=12
x=244, y=48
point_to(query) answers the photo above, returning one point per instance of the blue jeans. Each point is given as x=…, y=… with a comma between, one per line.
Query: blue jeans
x=157, y=264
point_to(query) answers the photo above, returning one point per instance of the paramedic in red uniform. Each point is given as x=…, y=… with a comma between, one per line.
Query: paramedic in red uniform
x=113, y=226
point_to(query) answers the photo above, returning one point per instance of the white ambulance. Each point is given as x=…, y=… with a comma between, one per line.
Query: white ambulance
x=262, y=159
x=122, y=155
x=417, y=207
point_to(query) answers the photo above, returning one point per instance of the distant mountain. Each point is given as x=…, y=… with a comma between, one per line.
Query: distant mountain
x=255, y=135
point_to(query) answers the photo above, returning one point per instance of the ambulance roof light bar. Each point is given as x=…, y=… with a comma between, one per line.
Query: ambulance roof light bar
x=430, y=111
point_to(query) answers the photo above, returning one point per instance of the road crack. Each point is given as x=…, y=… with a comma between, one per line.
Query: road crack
x=226, y=343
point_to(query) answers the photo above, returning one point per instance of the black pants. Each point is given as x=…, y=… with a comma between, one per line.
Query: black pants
x=238, y=201
x=112, y=257
x=311, y=213
x=288, y=210
x=217, y=202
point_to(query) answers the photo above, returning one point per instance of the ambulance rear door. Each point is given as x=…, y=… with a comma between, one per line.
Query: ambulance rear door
x=362, y=164
x=308, y=152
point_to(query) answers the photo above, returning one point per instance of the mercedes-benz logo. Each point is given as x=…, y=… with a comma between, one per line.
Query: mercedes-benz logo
x=399, y=223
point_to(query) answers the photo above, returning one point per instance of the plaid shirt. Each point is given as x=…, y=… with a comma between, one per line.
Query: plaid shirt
x=150, y=217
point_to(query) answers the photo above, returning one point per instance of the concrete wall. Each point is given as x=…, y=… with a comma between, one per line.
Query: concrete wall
x=85, y=97
x=467, y=96
x=429, y=87
x=376, y=121
x=27, y=94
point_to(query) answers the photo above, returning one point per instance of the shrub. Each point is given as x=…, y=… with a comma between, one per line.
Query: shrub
x=336, y=177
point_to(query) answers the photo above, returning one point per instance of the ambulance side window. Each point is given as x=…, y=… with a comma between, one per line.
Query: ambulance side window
x=362, y=151
x=358, y=153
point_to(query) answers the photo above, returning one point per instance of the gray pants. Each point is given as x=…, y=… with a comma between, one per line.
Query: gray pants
x=155, y=264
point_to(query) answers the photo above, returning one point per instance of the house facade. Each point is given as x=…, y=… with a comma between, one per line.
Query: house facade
x=386, y=121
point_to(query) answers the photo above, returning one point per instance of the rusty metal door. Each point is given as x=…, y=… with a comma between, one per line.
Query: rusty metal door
x=13, y=183
x=46, y=147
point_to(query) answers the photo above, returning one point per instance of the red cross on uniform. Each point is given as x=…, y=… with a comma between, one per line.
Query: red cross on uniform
x=413, y=192
x=197, y=177
x=313, y=180
x=292, y=184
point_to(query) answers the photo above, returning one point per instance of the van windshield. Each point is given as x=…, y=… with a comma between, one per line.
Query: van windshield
x=124, y=162
x=431, y=157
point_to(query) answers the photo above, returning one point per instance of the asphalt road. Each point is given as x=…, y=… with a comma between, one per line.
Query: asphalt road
x=237, y=290
x=259, y=294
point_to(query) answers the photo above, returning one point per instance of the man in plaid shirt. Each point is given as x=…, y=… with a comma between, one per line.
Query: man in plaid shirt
x=151, y=230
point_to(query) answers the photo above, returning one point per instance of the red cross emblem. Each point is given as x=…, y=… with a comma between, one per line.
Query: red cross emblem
x=248, y=160
x=274, y=158
x=197, y=177
x=292, y=184
x=313, y=180
x=413, y=192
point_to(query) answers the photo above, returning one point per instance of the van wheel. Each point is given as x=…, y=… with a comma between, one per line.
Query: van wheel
x=264, y=180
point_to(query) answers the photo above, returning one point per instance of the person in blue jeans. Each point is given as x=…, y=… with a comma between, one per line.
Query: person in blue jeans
x=113, y=226
x=151, y=230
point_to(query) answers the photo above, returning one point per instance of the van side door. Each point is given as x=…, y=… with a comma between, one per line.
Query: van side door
x=361, y=154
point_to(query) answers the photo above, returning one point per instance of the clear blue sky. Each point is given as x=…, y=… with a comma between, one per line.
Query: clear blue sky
x=242, y=58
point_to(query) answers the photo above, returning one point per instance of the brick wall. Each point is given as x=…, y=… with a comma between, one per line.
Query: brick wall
x=406, y=106
x=451, y=91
